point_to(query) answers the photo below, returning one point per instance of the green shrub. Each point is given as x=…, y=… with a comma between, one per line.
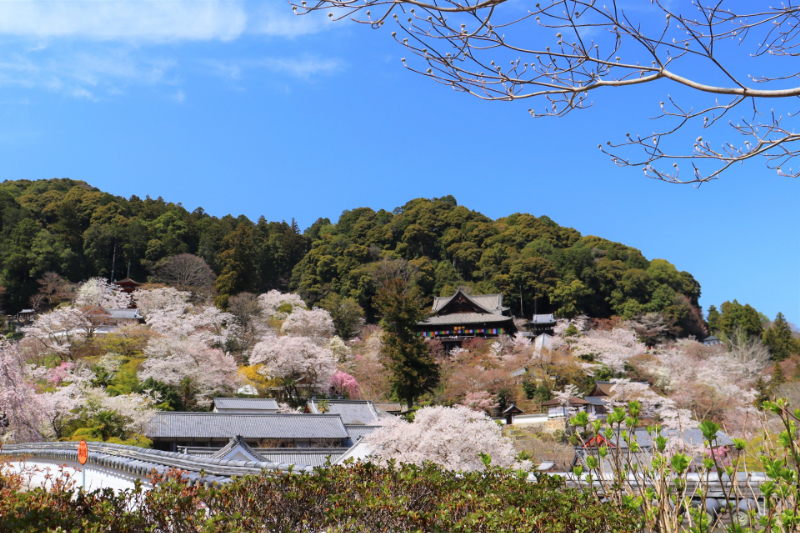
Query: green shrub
x=337, y=498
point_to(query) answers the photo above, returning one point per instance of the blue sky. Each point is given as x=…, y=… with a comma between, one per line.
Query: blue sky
x=242, y=108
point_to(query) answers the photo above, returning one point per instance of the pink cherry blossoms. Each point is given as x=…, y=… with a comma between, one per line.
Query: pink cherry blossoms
x=345, y=385
x=480, y=401
x=453, y=437
x=98, y=292
x=296, y=361
x=21, y=409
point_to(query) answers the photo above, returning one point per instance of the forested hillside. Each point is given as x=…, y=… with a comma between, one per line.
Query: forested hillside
x=73, y=229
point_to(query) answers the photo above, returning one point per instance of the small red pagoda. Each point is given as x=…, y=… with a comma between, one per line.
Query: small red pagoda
x=128, y=286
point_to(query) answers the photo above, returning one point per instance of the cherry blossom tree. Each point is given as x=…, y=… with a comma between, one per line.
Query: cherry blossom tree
x=581, y=323
x=187, y=272
x=81, y=400
x=316, y=325
x=296, y=361
x=343, y=384
x=652, y=404
x=612, y=348
x=453, y=437
x=342, y=352
x=100, y=293
x=166, y=300
x=278, y=305
x=21, y=410
x=169, y=312
x=563, y=397
x=177, y=361
x=55, y=332
x=480, y=401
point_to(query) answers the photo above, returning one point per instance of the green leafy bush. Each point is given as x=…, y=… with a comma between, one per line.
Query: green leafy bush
x=336, y=498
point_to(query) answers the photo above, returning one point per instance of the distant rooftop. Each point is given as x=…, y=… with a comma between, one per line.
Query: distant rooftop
x=248, y=404
x=491, y=303
x=357, y=431
x=351, y=411
x=125, y=314
x=543, y=319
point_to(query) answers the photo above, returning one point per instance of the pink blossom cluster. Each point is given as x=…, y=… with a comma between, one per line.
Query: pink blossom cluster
x=453, y=437
x=612, y=348
x=480, y=401
x=60, y=373
x=23, y=410
x=97, y=292
x=343, y=384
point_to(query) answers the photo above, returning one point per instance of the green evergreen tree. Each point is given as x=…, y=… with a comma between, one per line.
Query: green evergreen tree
x=713, y=320
x=778, y=338
x=414, y=372
x=762, y=392
x=778, y=377
x=735, y=315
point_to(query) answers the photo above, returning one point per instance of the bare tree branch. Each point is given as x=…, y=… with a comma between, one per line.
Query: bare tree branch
x=560, y=51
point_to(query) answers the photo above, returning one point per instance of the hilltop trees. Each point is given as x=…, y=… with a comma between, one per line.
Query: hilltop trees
x=778, y=338
x=186, y=272
x=735, y=315
x=77, y=232
x=70, y=230
x=534, y=262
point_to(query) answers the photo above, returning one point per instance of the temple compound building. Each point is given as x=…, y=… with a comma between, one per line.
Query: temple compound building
x=460, y=317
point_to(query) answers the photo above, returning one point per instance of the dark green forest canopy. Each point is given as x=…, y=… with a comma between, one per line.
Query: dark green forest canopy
x=71, y=228
x=537, y=264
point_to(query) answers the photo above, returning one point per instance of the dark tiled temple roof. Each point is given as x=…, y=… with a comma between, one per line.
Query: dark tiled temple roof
x=254, y=427
x=237, y=442
x=249, y=404
x=358, y=431
x=492, y=303
x=351, y=411
x=543, y=319
x=302, y=456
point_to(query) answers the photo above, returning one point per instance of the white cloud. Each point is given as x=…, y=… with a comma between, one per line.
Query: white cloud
x=277, y=19
x=304, y=67
x=154, y=20
x=93, y=49
x=84, y=75
x=135, y=20
x=300, y=67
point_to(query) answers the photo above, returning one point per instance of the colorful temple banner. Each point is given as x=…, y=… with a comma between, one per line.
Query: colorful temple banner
x=461, y=332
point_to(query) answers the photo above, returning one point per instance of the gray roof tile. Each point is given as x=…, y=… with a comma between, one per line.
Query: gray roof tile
x=490, y=302
x=250, y=404
x=351, y=411
x=173, y=425
x=358, y=431
x=301, y=456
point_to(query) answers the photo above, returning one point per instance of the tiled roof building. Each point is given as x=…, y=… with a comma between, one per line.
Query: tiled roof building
x=168, y=430
x=351, y=411
x=245, y=405
x=462, y=316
